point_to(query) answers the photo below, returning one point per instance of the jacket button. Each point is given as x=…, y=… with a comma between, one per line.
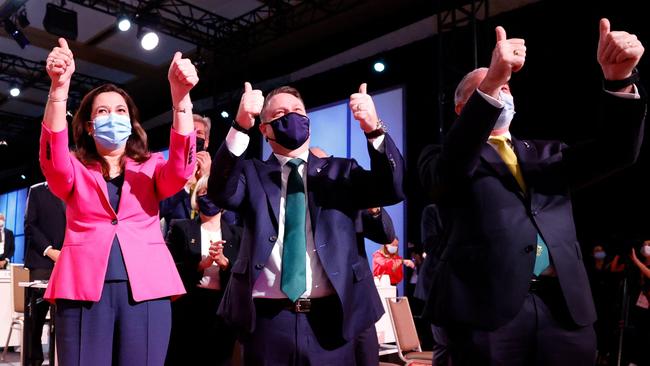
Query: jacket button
x=114, y=222
x=259, y=266
x=273, y=238
x=529, y=249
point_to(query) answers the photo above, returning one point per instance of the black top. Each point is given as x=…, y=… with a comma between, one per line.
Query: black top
x=116, y=270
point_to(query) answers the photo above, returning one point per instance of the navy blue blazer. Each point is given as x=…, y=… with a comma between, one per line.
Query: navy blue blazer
x=337, y=189
x=44, y=226
x=491, y=226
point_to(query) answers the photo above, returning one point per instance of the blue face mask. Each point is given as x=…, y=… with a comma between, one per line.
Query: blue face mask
x=206, y=206
x=391, y=249
x=507, y=113
x=600, y=255
x=112, y=131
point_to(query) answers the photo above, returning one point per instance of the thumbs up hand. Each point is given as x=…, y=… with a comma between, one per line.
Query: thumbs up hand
x=363, y=109
x=250, y=106
x=60, y=66
x=508, y=56
x=618, y=52
x=182, y=77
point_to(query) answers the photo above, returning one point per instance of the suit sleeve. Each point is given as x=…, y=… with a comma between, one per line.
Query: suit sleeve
x=378, y=229
x=457, y=158
x=34, y=238
x=616, y=146
x=227, y=183
x=380, y=186
x=231, y=251
x=175, y=240
x=171, y=175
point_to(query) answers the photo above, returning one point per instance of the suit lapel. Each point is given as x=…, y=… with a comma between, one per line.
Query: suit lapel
x=95, y=171
x=492, y=157
x=194, y=237
x=314, y=167
x=270, y=174
x=129, y=167
x=526, y=156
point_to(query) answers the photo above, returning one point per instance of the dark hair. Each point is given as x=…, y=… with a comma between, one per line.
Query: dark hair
x=281, y=90
x=86, y=152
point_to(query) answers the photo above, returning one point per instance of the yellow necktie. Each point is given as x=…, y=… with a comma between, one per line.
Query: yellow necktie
x=193, y=212
x=508, y=156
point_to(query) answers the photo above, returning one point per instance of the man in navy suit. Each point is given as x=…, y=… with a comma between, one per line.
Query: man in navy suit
x=511, y=287
x=312, y=313
x=44, y=233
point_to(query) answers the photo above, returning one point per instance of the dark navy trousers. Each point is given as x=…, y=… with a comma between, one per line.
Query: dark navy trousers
x=116, y=330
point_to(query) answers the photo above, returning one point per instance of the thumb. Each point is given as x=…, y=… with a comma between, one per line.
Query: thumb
x=177, y=56
x=501, y=34
x=604, y=28
x=363, y=88
x=63, y=43
x=247, y=87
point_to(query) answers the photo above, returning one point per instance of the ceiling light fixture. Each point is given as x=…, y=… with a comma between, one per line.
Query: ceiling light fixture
x=15, y=33
x=123, y=23
x=149, y=39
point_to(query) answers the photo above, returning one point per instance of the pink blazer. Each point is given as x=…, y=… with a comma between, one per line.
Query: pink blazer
x=92, y=223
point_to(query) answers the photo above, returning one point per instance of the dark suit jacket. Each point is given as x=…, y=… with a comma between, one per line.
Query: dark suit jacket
x=491, y=226
x=184, y=242
x=431, y=236
x=44, y=226
x=10, y=245
x=337, y=190
x=176, y=207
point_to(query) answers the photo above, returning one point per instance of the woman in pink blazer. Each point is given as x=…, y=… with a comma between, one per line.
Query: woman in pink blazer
x=114, y=277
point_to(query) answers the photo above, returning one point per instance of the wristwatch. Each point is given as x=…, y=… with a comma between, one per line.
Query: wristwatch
x=239, y=128
x=613, y=85
x=380, y=130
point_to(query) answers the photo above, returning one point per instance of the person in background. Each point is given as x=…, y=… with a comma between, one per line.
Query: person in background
x=511, y=287
x=387, y=261
x=300, y=291
x=114, y=277
x=178, y=206
x=44, y=234
x=7, y=244
x=432, y=233
x=204, y=249
x=640, y=305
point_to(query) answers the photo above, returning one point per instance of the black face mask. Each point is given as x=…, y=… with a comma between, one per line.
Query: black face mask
x=200, y=144
x=206, y=206
x=290, y=130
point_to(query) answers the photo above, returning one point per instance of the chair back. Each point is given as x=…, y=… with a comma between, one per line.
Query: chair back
x=406, y=335
x=18, y=274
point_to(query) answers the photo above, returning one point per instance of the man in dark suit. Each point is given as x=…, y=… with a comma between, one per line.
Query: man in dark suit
x=44, y=232
x=300, y=290
x=511, y=287
x=7, y=245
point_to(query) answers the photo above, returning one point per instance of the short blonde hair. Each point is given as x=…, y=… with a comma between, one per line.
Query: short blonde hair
x=206, y=122
x=201, y=184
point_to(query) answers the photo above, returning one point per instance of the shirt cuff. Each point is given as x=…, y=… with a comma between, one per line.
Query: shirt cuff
x=378, y=143
x=633, y=95
x=495, y=102
x=237, y=141
x=46, y=249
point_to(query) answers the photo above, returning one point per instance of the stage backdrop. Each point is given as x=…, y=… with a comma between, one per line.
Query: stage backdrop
x=13, y=204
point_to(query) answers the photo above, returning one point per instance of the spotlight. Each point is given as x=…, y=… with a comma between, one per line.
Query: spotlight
x=149, y=39
x=14, y=91
x=60, y=21
x=224, y=114
x=15, y=33
x=379, y=66
x=123, y=23
x=23, y=177
x=22, y=18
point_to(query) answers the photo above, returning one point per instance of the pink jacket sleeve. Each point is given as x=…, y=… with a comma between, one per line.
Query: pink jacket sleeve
x=171, y=176
x=55, y=160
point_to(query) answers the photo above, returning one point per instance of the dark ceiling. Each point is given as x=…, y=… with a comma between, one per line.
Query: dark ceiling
x=230, y=40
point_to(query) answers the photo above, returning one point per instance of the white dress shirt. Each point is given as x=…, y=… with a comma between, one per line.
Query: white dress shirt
x=210, y=279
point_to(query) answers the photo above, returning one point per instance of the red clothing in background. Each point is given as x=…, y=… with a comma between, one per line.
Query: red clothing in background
x=386, y=263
